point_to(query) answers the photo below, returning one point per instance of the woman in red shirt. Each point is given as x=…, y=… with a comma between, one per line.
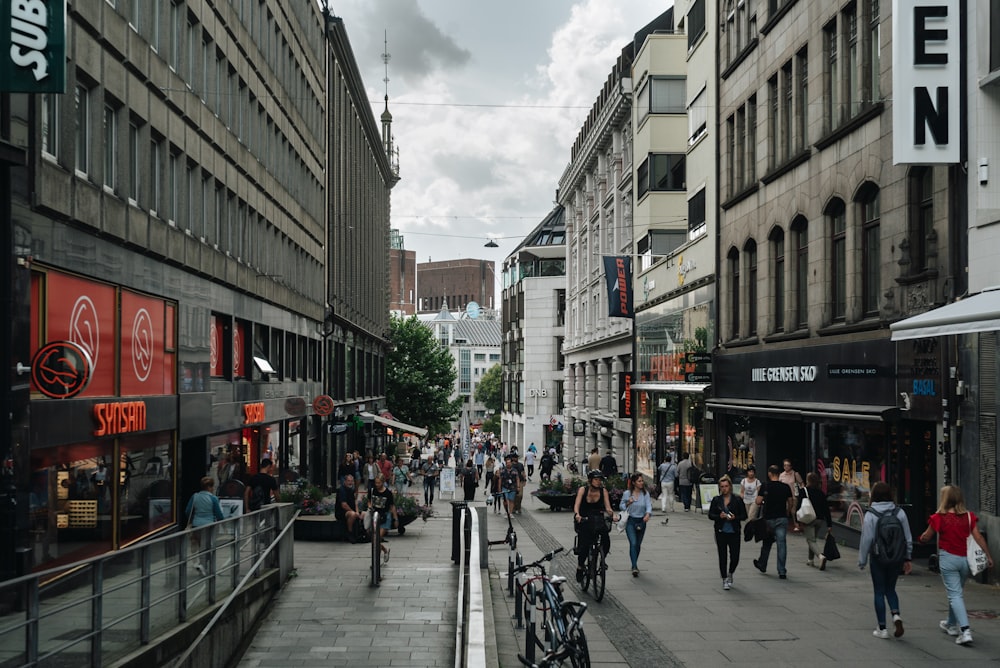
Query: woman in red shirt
x=953, y=524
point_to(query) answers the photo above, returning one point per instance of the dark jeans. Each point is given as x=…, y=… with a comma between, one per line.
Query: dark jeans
x=686, y=496
x=884, y=583
x=585, y=539
x=429, y=489
x=635, y=529
x=777, y=530
x=728, y=542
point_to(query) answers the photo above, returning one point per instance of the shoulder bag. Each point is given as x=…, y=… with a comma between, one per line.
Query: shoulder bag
x=975, y=555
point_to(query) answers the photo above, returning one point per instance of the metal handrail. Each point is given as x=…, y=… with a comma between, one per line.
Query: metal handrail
x=50, y=612
x=470, y=623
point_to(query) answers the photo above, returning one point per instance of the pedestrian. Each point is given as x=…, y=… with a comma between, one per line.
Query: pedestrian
x=346, y=507
x=346, y=467
x=954, y=523
x=885, y=571
x=521, y=479
x=545, y=465
x=203, y=508
x=666, y=474
x=777, y=501
x=371, y=470
x=727, y=511
x=480, y=460
x=751, y=485
x=790, y=477
x=815, y=532
x=685, y=479
x=594, y=461
x=495, y=489
x=385, y=467
x=609, y=465
x=509, y=482
x=591, y=500
x=638, y=505
x=489, y=466
x=470, y=480
x=400, y=477
x=529, y=461
x=430, y=471
x=381, y=499
x=262, y=488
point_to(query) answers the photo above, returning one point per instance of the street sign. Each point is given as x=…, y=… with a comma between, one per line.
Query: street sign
x=697, y=378
x=698, y=358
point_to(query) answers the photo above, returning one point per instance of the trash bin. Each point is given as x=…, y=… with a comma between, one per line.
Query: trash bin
x=457, y=509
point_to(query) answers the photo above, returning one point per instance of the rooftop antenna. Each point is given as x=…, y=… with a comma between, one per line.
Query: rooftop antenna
x=386, y=116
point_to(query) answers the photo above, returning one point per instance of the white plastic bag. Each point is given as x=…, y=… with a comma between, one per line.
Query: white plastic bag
x=975, y=555
x=806, y=514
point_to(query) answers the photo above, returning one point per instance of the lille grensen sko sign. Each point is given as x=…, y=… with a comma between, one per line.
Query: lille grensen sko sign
x=33, y=46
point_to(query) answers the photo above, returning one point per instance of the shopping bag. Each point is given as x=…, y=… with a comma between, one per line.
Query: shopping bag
x=806, y=514
x=830, y=549
x=975, y=555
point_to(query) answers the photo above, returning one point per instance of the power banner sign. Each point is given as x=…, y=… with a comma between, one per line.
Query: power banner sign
x=618, y=276
x=33, y=46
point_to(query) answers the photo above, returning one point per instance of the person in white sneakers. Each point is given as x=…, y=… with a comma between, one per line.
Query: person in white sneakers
x=666, y=474
x=953, y=524
x=886, y=538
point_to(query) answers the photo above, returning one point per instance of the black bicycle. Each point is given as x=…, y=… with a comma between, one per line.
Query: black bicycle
x=595, y=568
x=562, y=638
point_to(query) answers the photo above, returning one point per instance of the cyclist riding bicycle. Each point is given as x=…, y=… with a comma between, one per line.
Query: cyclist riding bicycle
x=591, y=501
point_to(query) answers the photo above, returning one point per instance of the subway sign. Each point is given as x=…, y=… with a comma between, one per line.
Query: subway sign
x=33, y=46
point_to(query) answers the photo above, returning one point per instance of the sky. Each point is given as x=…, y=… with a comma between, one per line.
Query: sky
x=487, y=99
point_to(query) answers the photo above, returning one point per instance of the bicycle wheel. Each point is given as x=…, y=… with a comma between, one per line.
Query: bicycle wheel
x=585, y=581
x=600, y=570
x=579, y=654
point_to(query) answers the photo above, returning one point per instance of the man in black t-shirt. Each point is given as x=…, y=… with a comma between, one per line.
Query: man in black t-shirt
x=778, y=504
x=346, y=508
x=380, y=498
x=262, y=488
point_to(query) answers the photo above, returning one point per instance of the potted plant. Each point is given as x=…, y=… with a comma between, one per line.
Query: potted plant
x=560, y=493
x=407, y=510
x=316, y=520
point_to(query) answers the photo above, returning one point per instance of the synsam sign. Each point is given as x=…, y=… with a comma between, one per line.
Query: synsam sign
x=33, y=46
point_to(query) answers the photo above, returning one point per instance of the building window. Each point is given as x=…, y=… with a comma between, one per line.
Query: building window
x=921, y=216
x=851, y=66
x=662, y=95
x=734, y=293
x=772, y=122
x=875, y=53
x=176, y=32
x=750, y=257
x=155, y=175
x=695, y=22
x=133, y=157
x=658, y=244
x=832, y=78
x=697, y=117
x=82, y=159
x=741, y=27
x=662, y=172
x=836, y=214
x=50, y=123
x=174, y=186
x=110, y=147
x=800, y=239
x=802, y=101
x=871, y=266
x=696, y=211
x=785, y=118
x=777, y=240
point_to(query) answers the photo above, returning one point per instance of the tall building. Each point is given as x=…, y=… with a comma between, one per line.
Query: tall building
x=676, y=227
x=456, y=283
x=824, y=241
x=534, y=319
x=402, y=277
x=169, y=224
x=596, y=191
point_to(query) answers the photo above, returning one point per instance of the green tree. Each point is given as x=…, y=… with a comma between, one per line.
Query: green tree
x=489, y=390
x=420, y=376
x=492, y=424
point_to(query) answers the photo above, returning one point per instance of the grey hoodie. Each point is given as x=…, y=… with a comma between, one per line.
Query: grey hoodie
x=868, y=531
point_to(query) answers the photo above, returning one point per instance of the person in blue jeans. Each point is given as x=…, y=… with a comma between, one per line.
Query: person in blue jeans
x=884, y=576
x=638, y=505
x=776, y=499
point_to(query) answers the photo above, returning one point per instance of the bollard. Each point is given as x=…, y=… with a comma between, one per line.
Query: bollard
x=457, y=511
x=529, y=636
x=519, y=600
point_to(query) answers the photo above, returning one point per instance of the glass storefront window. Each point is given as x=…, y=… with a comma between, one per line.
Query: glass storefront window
x=669, y=423
x=147, y=485
x=850, y=460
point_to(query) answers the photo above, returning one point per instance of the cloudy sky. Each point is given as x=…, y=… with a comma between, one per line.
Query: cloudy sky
x=486, y=99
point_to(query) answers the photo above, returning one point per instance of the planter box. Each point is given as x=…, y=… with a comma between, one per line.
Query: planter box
x=319, y=527
x=557, y=501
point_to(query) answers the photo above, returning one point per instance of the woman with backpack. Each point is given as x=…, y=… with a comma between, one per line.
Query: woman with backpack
x=953, y=524
x=886, y=538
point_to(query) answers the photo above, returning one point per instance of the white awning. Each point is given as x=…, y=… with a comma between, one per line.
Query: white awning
x=683, y=388
x=402, y=426
x=978, y=313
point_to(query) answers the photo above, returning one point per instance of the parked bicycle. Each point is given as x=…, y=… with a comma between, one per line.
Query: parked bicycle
x=562, y=638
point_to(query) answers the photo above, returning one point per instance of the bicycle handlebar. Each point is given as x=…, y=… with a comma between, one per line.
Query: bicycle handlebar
x=547, y=557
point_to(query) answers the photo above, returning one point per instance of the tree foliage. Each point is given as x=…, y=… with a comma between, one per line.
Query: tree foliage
x=489, y=390
x=420, y=376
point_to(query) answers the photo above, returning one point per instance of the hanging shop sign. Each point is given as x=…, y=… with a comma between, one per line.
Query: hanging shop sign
x=323, y=405
x=61, y=369
x=121, y=417
x=33, y=46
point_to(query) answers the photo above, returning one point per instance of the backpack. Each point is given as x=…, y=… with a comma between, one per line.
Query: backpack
x=889, y=546
x=258, y=497
x=693, y=474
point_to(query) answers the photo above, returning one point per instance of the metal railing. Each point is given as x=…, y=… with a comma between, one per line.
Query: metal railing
x=470, y=626
x=101, y=609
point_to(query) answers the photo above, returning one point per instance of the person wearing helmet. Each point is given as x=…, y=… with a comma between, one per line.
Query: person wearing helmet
x=591, y=499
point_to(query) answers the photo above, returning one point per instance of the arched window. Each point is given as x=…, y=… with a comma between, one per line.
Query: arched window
x=800, y=242
x=870, y=215
x=777, y=241
x=750, y=260
x=836, y=216
x=734, y=292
